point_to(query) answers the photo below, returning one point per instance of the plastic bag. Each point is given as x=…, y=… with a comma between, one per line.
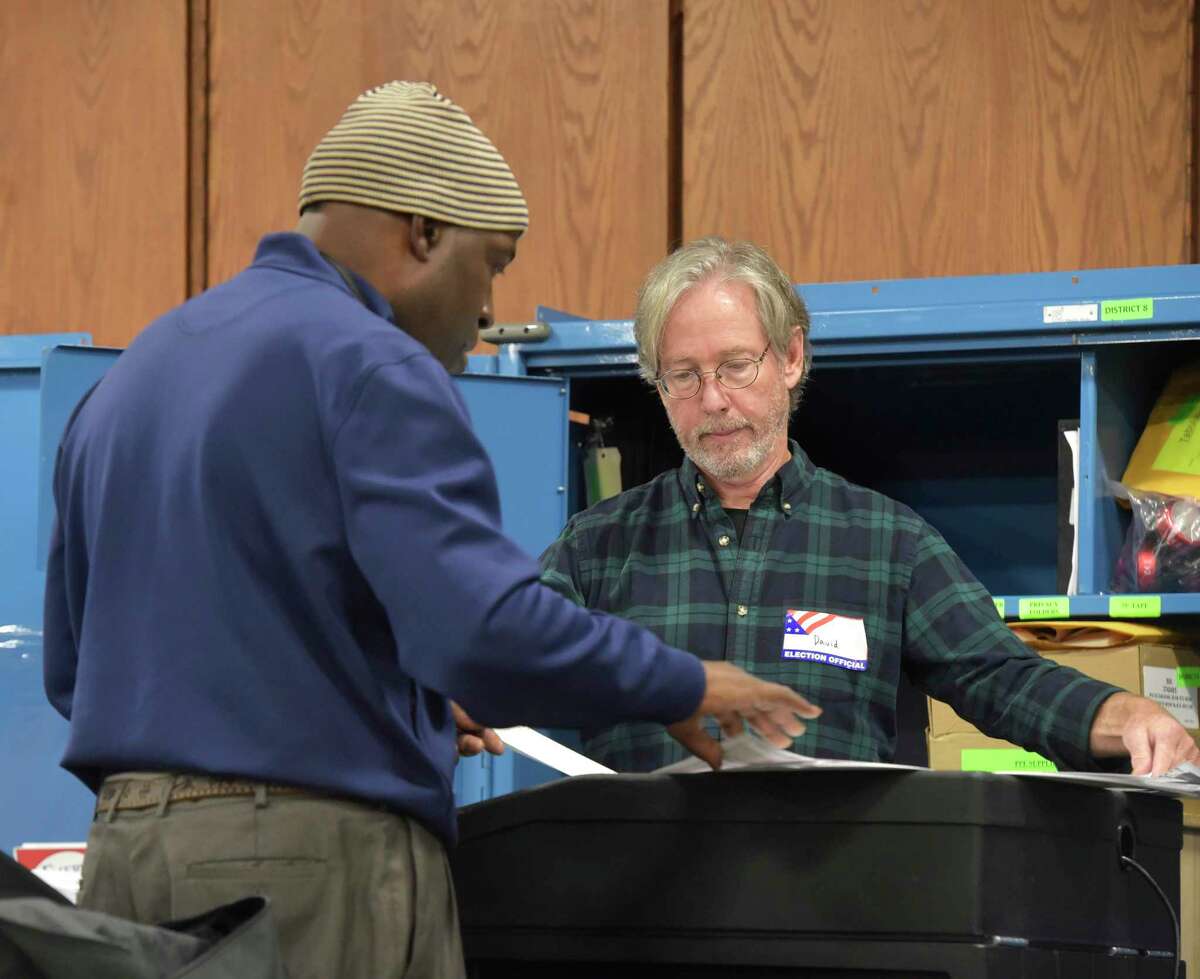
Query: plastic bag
x=1161, y=552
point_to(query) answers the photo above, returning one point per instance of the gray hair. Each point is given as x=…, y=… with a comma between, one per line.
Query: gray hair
x=779, y=307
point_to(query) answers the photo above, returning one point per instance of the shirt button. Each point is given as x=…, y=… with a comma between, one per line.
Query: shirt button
x=787, y=506
x=743, y=611
x=699, y=487
x=695, y=508
x=723, y=540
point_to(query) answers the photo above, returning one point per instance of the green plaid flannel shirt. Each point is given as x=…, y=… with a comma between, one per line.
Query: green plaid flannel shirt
x=667, y=556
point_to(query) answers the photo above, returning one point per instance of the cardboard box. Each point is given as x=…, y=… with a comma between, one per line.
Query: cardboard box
x=1144, y=668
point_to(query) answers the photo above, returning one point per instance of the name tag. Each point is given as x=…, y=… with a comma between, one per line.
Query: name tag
x=823, y=637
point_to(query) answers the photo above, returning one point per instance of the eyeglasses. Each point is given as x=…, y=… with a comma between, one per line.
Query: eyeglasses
x=732, y=374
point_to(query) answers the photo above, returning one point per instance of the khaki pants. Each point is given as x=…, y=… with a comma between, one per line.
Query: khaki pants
x=355, y=891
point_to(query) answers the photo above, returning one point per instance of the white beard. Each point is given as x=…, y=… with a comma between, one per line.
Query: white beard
x=740, y=461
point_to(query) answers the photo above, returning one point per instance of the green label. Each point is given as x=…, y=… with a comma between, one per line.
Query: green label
x=1056, y=607
x=1135, y=606
x=1004, y=760
x=1126, y=309
x=1187, y=676
x=999, y=606
x=1181, y=451
x=1187, y=411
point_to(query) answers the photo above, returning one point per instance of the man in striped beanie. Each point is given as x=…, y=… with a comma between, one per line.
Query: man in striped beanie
x=278, y=567
x=406, y=191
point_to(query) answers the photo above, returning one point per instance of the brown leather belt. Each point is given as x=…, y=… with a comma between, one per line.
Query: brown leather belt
x=146, y=793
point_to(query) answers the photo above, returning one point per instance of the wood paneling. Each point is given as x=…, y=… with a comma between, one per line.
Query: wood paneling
x=573, y=92
x=1194, y=167
x=197, y=183
x=898, y=138
x=853, y=138
x=92, y=164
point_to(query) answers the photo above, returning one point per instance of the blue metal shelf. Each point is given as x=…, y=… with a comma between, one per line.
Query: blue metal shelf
x=1098, y=606
x=1013, y=320
x=993, y=315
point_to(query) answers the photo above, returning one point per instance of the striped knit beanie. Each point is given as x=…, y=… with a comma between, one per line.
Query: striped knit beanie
x=406, y=147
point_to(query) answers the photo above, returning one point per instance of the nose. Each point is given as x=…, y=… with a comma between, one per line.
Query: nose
x=713, y=396
x=486, y=319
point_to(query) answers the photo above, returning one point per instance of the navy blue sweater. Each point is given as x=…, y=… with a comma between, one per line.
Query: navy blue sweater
x=278, y=553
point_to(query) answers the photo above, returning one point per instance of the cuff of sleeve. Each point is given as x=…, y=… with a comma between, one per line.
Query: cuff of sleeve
x=683, y=696
x=1078, y=756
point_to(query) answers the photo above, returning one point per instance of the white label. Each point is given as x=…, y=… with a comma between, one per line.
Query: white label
x=1075, y=313
x=823, y=637
x=1160, y=686
x=62, y=871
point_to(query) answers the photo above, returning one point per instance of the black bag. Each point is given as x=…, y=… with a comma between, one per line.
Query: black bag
x=44, y=936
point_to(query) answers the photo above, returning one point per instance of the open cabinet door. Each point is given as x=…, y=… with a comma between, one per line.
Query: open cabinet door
x=522, y=421
x=39, y=802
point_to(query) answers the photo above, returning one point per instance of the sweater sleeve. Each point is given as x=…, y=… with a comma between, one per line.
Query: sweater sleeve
x=960, y=652
x=470, y=617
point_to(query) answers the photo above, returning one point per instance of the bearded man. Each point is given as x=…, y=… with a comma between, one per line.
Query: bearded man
x=750, y=554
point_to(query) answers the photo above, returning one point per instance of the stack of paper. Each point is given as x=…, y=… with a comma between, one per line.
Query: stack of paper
x=1183, y=780
x=750, y=751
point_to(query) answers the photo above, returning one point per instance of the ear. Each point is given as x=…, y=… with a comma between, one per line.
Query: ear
x=793, y=361
x=424, y=234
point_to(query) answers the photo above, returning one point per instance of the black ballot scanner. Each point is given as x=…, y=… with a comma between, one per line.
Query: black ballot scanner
x=838, y=873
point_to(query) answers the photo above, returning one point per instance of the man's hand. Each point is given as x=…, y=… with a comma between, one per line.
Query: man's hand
x=472, y=737
x=1130, y=725
x=734, y=697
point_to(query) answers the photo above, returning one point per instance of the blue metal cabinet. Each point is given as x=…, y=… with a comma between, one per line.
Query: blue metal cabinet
x=521, y=420
x=38, y=801
x=945, y=394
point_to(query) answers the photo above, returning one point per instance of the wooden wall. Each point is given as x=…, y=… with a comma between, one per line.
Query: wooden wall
x=573, y=94
x=901, y=138
x=147, y=144
x=93, y=165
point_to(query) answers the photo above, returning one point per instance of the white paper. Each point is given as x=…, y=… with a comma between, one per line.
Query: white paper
x=750, y=751
x=1186, y=771
x=533, y=744
x=1072, y=437
x=1159, y=684
x=1177, y=782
